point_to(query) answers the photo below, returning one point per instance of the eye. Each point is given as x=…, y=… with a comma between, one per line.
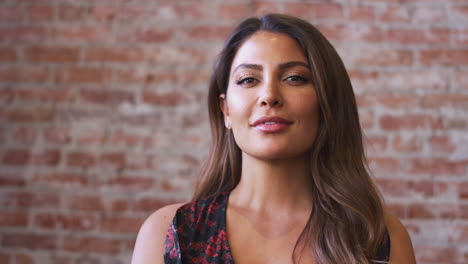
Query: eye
x=246, y=82
x=296, y=79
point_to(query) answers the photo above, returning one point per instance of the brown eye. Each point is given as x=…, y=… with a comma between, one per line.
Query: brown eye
x=249, y=81
x=296, y=79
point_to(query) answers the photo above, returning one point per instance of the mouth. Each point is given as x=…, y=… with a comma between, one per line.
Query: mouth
x=271, y=124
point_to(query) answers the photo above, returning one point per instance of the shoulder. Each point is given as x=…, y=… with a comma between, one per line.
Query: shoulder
x=149, y=245
x=401, y=248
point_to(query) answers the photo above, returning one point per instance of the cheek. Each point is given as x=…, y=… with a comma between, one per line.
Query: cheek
x=238, y=105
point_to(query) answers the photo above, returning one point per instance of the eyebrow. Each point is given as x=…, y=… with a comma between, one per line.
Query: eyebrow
x=282, y=66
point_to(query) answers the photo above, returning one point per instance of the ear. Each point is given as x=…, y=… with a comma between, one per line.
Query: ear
x=223, y=105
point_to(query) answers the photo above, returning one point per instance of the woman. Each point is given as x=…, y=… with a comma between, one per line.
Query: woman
x=286, y=179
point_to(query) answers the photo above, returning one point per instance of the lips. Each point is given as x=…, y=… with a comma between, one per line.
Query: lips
x=271, y=124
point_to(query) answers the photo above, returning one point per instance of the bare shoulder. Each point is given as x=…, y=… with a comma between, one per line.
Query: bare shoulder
x=401, y=248
x=149, y=245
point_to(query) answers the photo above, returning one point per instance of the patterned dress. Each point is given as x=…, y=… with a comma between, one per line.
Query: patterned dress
x=198, y=234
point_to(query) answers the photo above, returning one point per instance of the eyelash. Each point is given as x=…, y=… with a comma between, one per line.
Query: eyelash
x=249, y=79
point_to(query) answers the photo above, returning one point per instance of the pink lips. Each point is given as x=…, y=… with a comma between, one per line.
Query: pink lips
x=271, y=124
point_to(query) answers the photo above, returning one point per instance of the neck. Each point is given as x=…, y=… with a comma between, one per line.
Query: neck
x=272, y=185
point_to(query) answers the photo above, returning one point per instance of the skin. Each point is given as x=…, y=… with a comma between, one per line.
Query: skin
x=270, y=206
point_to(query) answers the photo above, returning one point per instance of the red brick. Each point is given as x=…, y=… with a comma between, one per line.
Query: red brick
x=407, y=188
x=137, y=161
x=260, y=8
x=86, y=203
x=22, y=34
x=91, y=136
x=460, y=13
x=12, y=180
x=110, y=97
x=366, y=118
x=461, y=36
x=11, y=14
x=232, y=11
x=411, y=36
x=81, y=159
x=444, y=57
x=16, y=157
x=362, y=13
x=113, y=54
x=50, y=157
x=39, y=114
x=316, y=11
x=67, y=222
x=210, y=33
x=24, y=134
x=463, y=190
x=196, y=11
x=22, y=258
x=46, y=95
x=13, y=219
x=332, y=32
x=25, y=199
x=433, y=101
x=73, y=34
x=5, y=258
x=41, y=13
x=461, y=79
x=57, y=134
x=174, y=56
x=399, y=13
x=376, y=144
x=113, y=160
x=393, y=101
x=164, y=99
x=428, y=80
x=92, y=203
x=429, y=14
x=125, y=138
x=129, y=183
x=61, y=179
x=434, y=254
x=91, y=244
x=24, y=73
x=409, y=122
x=385, y=57
x=460, y=234
x=79, y=75
x=68, y=12
x=103, y=12
x=29, y=240
x=384, y=165
x=442, y=144
x=51, y=54
x=364, y=80
x=437, y=166
x=430, y=211
x=7, y=96
x=147, y=35
x=407, y=144
x=150, y=204
x=121, y=224
x=8, y=54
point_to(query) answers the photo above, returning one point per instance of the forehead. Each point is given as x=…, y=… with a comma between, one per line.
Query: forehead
x=266, y=48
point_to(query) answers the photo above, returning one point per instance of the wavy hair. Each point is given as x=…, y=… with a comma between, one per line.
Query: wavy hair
x=346, y=224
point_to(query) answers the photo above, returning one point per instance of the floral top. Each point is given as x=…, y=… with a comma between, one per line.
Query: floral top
x=198, y=234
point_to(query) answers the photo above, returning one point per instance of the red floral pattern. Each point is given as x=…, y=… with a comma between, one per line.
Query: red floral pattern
x=198, y=234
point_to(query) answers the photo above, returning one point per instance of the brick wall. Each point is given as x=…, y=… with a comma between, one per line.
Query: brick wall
x=103, y=117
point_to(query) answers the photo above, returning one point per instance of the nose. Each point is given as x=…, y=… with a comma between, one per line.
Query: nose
x=271, y=94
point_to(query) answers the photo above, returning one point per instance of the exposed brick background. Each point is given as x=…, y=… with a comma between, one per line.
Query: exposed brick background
x=103, y=115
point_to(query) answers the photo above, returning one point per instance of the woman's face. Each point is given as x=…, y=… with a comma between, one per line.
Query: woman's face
x=270, y=101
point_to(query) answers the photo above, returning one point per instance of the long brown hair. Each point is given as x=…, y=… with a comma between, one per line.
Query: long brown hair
x=346, y=224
